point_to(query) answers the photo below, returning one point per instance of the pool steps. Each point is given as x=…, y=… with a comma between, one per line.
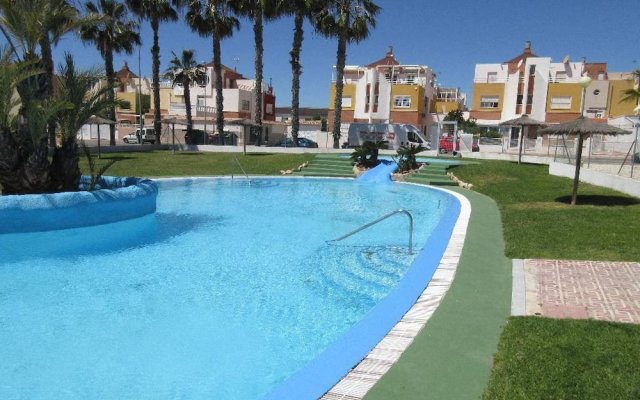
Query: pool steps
x=366, y=273
x=331, y=165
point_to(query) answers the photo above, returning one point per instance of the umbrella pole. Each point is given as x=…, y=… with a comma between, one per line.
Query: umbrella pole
x=173, y=137
x=576, y=177
x=99, y=141
x=520, y=147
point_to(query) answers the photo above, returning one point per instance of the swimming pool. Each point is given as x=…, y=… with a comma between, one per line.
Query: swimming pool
x=226, y=292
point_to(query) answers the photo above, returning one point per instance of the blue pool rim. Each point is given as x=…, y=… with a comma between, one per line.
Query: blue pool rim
x=319, y=375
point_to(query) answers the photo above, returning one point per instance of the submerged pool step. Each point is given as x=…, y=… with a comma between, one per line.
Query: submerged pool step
x=363, y=274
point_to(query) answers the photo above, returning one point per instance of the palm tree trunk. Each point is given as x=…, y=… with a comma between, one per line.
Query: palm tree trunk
x=341, y=59
x=296, y=71
x=111, y=77
x=576, y=177
x=217, y=70
x=155, y=80
x=257, y=32
x=47, y=63
x=187, y=104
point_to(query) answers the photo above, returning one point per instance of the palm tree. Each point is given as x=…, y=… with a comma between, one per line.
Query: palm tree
x=633, y=95
x=111, y=31
x=38, y=23
x=213, y=18
x=183, y=72
x=301, y=10
x=348, y=21
x=256, y=11
x=156, y=11
x=83, y=97
x=24, y=161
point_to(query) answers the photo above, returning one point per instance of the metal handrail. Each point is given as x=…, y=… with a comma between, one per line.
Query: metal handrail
x=365, y=226
x=235, y=158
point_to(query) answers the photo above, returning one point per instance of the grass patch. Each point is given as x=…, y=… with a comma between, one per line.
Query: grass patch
x=540, y=358
x=538, y=221
x=167, y=163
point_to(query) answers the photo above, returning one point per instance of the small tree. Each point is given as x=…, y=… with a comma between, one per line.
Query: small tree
x=407, y=157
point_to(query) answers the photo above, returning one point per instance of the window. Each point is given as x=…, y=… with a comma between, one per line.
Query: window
x=489, y=102
x=246, y=105
x=561, y=76
x=346, y=101
x=492, y=77
x=532, y=70
x=402, y=101
x=269, y=108
x=411, y=78
x=561, y=102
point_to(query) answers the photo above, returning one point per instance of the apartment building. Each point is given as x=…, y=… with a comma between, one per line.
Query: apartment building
x=387, y=91
x=238, y=98
x=545, y=90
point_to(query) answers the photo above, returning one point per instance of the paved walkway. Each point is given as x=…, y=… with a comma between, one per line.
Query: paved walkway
x=599, y=290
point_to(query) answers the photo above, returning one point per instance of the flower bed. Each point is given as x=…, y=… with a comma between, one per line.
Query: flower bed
x=115, y=199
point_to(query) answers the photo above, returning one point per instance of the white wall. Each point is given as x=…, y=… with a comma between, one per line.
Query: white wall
x=619, y=183
x=482, y=70
x=540, y=88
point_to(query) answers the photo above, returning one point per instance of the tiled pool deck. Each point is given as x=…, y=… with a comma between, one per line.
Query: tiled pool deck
x=608, y=291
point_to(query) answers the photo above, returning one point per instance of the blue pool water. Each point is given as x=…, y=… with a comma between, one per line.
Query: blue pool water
x=226, y=292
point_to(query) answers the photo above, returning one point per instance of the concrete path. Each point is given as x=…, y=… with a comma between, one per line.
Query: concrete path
x=608, y=291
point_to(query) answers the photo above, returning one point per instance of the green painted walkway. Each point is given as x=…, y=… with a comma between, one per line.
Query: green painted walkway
x=452, y=356
x=432, y=174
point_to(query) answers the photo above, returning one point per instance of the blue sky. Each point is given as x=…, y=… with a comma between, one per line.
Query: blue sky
x=449, y=36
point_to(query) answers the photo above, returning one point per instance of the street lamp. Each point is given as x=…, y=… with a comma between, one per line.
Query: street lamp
x=204, y=84
x=584, y=83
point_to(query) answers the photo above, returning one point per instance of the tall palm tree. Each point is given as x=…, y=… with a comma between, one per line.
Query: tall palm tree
x=213, y=18
x=37, y=24
x=184, y=71
x=256, y=11
x=111, y=31
x=633, y=95
x=301, y=10
x=156, y=11
x=349, y=21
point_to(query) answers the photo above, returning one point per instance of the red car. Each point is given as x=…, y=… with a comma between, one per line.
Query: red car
x=446, y=145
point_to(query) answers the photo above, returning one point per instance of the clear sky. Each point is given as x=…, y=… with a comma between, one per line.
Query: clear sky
x=450, y=36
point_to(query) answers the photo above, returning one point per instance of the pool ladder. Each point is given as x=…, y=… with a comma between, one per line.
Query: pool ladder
x=365, y=226
x=235, y=158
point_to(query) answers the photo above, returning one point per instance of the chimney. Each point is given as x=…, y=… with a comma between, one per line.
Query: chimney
x=390, y=51
x=527, y=47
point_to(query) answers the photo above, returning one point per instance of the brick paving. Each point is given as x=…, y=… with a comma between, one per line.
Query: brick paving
x=599, y=290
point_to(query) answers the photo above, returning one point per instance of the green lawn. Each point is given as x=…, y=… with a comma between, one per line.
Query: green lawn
x=538, y=222
x=167, y=163
x=540, y=358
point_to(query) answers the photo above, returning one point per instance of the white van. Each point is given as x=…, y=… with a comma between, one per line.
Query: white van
x=395, y=134
x=148, y=136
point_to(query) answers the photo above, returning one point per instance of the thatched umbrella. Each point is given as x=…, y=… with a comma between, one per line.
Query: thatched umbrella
x=95, y=120
x=582, y=127
x=173, y=121
x=523, y=121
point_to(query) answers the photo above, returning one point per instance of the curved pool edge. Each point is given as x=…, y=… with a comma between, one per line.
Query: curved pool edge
x=381, y=335
x=124, y=198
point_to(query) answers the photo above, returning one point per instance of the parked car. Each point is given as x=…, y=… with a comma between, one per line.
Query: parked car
x=288, y=142
x=446, y=145
x=148, y=136
x=197, y=137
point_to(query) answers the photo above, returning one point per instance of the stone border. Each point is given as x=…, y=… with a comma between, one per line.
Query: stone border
x=356, y=384
x=121, y=199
